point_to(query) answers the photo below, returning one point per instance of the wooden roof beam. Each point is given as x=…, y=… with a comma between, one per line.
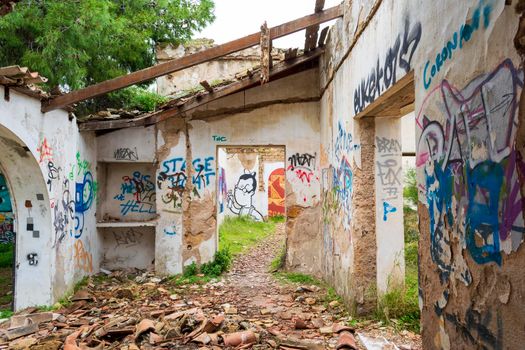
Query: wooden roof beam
x=240, y=85
x=190, y=60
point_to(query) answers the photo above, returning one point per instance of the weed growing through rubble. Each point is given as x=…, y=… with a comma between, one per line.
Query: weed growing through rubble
x=299, y=278
x=279, y=260
x=195, y=274
x=5, y=313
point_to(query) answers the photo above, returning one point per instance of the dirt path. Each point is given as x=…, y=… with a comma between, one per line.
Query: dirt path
x=279, y=310
x=130, y=312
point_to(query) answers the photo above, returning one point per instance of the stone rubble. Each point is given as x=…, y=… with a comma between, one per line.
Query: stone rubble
x=248, y=308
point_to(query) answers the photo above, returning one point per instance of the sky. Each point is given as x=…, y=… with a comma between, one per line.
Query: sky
x=238, y=18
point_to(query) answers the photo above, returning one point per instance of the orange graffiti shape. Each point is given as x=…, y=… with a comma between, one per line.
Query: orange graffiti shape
x=46, y=154
x=276, y=193
x=83, y=259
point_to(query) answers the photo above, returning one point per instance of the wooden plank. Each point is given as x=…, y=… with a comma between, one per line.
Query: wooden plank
x=218, y=93
x=392, y=100
x=290, y=54
x=266, y=55
x=312, y=32
x=6, y=81
x=206, y=86
x=190, y=60
x=322, y=37
x=13, y=71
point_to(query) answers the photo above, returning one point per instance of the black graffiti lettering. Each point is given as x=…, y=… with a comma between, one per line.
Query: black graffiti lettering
x=301, y=160
x=410, y=43
x=126, y=154
x=384, y=75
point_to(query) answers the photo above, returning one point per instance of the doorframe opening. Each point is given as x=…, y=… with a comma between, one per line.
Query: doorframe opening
x=220, y=188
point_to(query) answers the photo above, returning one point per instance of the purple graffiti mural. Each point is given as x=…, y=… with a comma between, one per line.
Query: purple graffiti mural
x=471, y=168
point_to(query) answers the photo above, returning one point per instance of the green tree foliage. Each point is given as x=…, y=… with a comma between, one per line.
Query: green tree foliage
x=410, y=189
x=76, y=43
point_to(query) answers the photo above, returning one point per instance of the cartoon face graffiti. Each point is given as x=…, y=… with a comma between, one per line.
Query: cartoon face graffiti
x=241, y=202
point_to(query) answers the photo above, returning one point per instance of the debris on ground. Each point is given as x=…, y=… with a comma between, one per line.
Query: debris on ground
x=247, y=309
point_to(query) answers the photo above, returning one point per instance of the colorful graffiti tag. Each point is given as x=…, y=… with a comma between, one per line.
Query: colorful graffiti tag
x=222, y=195
x=7, y=234
x=137, y=194
x=342, y=174
x=5, y=199
x=45, y=151
x=174, y=170
x=472, y=171
x=276, y=193
x=82, y=257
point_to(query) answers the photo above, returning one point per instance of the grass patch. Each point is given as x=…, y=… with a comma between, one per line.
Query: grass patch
x=6, y=313
x=65, y=301
x=241, y=232
x=279, y=260
x=300, y=278
x=194, y=274
x=6, y=254
x=277, y=219
x=400, y=306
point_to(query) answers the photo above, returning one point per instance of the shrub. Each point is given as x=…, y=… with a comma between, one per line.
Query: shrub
x=220, y=264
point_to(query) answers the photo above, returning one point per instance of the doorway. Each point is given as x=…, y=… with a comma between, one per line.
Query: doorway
x=7, y=248
x=250, y=194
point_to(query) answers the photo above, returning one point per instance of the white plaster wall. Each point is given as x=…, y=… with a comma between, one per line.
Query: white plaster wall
x=389, y=204
x=128, y=247
x=127, y=145
x=44, y=175
x=169, y=230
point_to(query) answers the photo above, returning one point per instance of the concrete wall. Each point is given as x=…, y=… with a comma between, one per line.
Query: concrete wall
x=52, y=180
x=470, y=172
x=218, y=70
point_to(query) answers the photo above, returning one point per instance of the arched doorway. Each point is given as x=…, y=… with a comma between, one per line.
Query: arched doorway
x=31, y=221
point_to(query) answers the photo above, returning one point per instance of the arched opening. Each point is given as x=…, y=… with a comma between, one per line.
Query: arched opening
x=31, y=221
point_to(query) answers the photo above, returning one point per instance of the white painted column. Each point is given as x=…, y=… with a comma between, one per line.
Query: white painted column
x=389, y=204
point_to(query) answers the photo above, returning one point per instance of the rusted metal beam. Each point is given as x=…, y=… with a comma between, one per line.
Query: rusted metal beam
x=190, y=60
x=240, y=85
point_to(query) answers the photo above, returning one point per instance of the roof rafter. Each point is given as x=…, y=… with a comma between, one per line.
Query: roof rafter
x=177, y=110
x=190, y=60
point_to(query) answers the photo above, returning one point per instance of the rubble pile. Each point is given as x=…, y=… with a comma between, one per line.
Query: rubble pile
x=248, y=308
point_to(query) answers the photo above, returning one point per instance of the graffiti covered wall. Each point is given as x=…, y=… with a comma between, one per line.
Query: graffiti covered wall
x=54, y=191
x=468, y=82
x=196, y=189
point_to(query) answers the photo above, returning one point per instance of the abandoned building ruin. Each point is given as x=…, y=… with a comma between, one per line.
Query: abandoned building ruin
x=147, y=190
